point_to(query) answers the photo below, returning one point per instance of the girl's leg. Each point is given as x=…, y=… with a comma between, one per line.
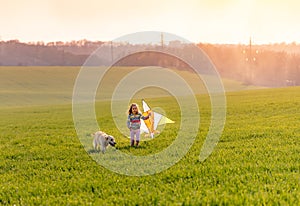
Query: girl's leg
x=132, y=138
x=138, y=132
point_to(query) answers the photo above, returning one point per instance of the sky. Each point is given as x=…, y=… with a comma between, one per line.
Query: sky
x=207, y=21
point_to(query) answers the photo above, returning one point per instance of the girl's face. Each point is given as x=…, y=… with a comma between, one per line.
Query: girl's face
x=134, y=109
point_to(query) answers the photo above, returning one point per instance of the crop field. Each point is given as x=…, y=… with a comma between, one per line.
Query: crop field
x=42, y=161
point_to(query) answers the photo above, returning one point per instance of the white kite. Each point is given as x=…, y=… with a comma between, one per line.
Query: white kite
x=149, y=125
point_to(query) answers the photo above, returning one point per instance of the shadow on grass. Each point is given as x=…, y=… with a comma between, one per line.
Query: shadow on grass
x=92, y=151
x=126, y=148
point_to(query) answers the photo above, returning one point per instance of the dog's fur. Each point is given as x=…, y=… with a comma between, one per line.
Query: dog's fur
x=102, y=140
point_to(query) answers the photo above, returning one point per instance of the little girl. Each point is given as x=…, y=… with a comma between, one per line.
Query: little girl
x=134, y=123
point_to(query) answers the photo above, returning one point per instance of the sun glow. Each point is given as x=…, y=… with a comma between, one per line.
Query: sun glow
x=213, y=21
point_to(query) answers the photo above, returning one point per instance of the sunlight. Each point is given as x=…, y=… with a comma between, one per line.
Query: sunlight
x=215, y=21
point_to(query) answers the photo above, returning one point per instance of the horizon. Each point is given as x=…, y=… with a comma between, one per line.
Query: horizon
x=199, y=21
x=94, y=41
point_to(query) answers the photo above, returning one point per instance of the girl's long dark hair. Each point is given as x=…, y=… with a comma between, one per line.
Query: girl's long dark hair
x=130, y=108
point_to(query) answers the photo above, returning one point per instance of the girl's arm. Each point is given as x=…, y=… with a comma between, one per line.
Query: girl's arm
x=146, y=117
x=128, y=123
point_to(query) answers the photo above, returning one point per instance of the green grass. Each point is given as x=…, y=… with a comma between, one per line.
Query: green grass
x=256, y=161
x=27, y=86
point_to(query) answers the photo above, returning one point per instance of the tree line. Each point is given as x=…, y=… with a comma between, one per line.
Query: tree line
x=264, y=65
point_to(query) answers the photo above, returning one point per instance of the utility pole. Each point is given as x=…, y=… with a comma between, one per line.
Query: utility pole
x=112, y=51
x=250, y=62
x=162, y=40
x=1, y=49
x=250, y=59
x=63, y=57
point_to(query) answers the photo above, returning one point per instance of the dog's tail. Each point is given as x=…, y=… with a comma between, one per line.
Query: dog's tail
x=94, y=143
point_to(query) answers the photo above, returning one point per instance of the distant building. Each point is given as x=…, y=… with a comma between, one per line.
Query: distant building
x=176, y=43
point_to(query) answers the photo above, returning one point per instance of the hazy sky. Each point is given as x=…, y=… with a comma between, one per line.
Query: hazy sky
x=214, y=21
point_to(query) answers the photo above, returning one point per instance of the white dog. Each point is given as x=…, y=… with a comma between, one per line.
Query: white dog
x=102, y=140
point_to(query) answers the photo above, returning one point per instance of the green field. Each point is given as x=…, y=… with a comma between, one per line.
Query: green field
x=27, y=86
x=42, y=162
